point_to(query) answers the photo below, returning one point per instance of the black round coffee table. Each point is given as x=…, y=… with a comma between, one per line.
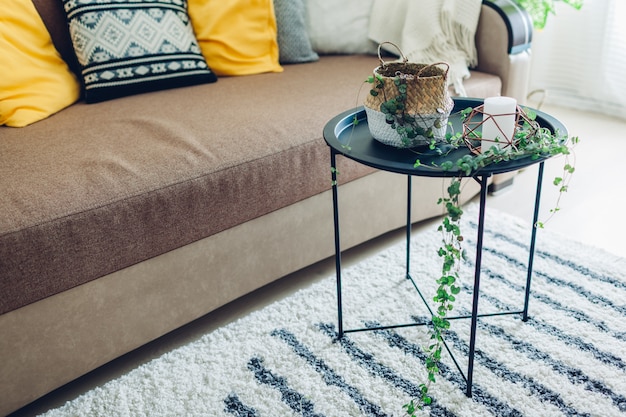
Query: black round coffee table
x=354, y=141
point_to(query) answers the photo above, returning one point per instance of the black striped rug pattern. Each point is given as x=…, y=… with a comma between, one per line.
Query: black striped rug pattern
x=569, y=359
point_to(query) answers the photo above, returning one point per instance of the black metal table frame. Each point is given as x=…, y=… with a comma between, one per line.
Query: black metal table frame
x=482, y=180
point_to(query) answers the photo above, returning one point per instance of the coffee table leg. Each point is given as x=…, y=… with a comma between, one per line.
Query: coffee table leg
x=476, y=292
x=333, y=173
x=533, y=237
x=408, y=226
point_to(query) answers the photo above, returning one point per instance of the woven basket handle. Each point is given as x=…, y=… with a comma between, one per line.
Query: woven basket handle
x=432, y=65
x=380, y=58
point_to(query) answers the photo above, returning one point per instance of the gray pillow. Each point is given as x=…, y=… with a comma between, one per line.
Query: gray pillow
x=293, y=39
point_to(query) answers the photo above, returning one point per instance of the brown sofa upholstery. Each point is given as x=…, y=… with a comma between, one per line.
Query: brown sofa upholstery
x=124, y=220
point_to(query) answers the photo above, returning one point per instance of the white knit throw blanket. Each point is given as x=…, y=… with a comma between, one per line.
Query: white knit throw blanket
x=429, y=31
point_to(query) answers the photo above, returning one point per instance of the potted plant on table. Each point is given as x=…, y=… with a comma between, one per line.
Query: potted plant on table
x=408, y=104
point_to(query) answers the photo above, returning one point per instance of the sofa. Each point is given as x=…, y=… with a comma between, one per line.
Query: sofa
x=124, y=218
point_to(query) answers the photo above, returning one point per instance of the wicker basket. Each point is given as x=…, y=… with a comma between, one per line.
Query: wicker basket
x=426, y=106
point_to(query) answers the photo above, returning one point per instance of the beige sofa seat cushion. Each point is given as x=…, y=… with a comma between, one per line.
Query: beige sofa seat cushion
x=481, y=84
x=99, y=187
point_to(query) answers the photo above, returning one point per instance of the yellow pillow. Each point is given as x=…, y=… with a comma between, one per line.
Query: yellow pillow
x=237, y=37
x=35, y=82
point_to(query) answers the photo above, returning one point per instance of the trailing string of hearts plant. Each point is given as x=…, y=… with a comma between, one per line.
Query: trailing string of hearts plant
x=529, y=141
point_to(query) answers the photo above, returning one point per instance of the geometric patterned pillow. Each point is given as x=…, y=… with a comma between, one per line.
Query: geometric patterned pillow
x=134, y=46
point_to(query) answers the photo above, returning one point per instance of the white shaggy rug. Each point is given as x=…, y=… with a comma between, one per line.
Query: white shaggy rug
x=569, y=359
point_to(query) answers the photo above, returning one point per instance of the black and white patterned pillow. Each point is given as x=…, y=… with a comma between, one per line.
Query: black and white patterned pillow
x=134, y=46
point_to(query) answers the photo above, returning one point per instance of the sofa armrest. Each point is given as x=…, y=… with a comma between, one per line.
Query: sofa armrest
x=519, y=24
x=503, y=40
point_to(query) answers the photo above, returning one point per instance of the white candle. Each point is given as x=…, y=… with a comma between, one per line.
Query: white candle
x=499, y=121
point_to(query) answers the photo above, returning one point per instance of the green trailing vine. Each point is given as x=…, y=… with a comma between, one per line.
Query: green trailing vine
x=531, y=141
x=452, y=254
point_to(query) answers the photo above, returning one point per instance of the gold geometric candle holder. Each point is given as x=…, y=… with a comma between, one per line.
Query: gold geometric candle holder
x=474, y=122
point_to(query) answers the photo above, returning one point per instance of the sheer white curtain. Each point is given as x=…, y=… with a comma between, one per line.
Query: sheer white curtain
x=579, y=59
